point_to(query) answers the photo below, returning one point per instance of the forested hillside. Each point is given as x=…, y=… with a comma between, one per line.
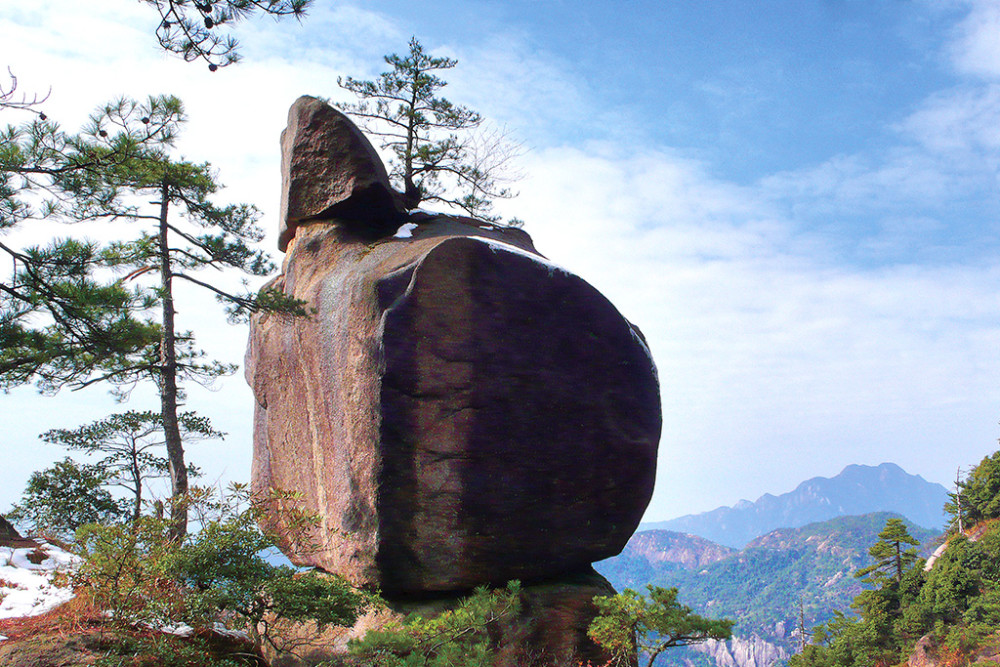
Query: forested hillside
x=944, y=614
x=762, y=586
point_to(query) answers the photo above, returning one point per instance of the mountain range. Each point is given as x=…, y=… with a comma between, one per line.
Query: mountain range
x=778, y=563
x=858, y=489
x=762, y=586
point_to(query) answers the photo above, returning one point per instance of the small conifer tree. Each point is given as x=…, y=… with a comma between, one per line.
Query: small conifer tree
x=652, y=623
x=435, y=158
x=126, y=443
x=893, y=554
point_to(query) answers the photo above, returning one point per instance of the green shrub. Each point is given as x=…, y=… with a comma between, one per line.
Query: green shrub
x=60, y=499
x=145, y=578
x=461, y=637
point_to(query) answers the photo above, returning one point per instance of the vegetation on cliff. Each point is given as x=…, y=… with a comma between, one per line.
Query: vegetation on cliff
x=777, y=578
x=434, y=156
x=955, y=603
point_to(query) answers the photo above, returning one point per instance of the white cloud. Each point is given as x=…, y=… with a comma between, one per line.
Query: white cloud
x=975, y=47
x=764, y=342
x=516, y=85
x=961, y=123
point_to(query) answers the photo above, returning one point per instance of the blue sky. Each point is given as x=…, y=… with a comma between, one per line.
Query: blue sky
x=796, y=201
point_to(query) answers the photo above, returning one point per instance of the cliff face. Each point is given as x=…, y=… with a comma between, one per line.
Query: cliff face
x=749, y=651
x=687, y=551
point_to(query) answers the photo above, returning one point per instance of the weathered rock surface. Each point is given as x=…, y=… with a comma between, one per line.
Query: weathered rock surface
x=9, y=537
x=329, y=170
x=552, y=626
x=752, y=651
x=922, y=655
x=549, y=630
x=458, y=411
x=926, y=653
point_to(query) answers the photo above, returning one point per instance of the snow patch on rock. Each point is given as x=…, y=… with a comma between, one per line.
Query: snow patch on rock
x=405, y=231
x=506, y=247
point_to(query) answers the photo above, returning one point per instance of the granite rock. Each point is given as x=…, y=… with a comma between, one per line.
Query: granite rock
x=459, y=411
x=330, y=171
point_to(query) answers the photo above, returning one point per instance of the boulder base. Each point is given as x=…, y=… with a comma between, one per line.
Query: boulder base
x=549, y=631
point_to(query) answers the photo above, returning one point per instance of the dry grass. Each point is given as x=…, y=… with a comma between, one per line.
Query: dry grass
x=75, y=617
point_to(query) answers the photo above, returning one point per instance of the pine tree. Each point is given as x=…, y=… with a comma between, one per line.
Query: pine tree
x=114, y=338
x=956, y=504
x=880, y=631
x=62, y=321
x=432, y=161
x=977, y=498
x=59, y=324
x=461, y=637
x=891, y=556
x=193, y=28
x=652, y=624
x=126, y=442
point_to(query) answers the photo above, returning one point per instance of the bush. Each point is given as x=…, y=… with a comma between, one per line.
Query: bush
x=461, y=637
x=145, y=578
x=60, y=499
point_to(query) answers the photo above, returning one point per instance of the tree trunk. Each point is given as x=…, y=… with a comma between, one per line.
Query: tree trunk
x=411, y=193
x=168, y=383
x=137, y=480
x=958, y=499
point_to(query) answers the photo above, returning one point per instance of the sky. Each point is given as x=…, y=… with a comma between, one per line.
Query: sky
x=796, y=201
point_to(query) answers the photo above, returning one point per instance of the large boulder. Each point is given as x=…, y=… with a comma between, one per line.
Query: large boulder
x=458, y=410
x=329, y=170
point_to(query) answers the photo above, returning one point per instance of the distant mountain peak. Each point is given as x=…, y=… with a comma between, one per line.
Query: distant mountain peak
x=857, y=489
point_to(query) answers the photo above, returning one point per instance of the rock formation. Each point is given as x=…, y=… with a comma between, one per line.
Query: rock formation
x=752, y=651
x=9, y=537
x=550, y=629
x=329, y=170
x=458, y=410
